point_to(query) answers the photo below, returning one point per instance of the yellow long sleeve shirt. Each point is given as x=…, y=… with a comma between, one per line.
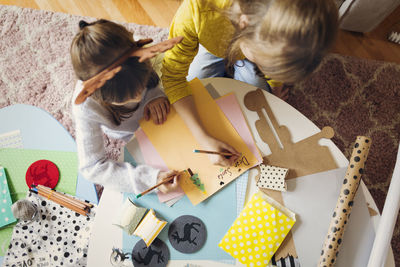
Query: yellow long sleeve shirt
x=199, y=22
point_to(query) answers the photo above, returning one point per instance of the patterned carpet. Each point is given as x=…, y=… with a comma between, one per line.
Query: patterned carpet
x=354, y=96
x=358, y=97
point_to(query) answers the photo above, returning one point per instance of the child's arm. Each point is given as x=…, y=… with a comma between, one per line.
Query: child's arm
x=96, y=167
x=186, y=109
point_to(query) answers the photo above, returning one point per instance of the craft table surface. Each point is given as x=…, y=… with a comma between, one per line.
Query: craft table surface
x=105, y=236
x=39, y=130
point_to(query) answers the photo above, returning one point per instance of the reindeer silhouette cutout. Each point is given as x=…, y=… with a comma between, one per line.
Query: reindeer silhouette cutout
x=40, y=174
x=187, y=232
x=150, y=253
x=301, y=158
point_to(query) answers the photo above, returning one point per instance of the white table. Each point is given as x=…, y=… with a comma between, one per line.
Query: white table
x=105, y=236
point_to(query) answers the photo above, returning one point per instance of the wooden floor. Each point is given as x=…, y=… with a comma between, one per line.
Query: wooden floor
x=373, y=45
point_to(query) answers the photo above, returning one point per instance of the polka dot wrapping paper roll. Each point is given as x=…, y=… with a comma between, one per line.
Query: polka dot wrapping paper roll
x=341, y=214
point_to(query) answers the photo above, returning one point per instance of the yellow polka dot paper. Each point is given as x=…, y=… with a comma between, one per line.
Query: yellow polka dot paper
x=258, y=231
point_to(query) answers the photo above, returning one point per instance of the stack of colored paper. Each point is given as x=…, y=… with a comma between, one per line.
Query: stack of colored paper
x=177, y=151
x=259, y=230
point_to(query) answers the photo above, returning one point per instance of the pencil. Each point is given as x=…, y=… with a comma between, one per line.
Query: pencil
x=166, y=180
x=63, y=197
x=60, y=202
x=213, y=152
x=53, y=196
x=77, y=202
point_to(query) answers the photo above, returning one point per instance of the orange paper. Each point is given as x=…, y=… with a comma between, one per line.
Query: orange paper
x=175, y=143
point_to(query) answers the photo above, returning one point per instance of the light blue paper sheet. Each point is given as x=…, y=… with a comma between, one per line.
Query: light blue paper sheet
x=217, y=212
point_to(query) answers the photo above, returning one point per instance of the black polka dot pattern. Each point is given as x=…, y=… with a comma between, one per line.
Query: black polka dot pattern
x=345, y=202
x=58, y=238
x=272, y=177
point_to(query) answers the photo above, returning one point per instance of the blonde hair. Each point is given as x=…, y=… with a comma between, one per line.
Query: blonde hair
x=288, y=37
x=96, y=46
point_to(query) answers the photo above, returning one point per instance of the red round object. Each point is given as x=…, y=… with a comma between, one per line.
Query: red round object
x=42, y=172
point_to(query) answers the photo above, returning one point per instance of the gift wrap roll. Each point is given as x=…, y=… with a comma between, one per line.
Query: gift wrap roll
x=341, y=214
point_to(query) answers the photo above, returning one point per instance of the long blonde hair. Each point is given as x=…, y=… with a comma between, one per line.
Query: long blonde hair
x=288, y=37
x=94, y=48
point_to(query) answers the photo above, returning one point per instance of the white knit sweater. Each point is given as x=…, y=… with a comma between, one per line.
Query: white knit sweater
x=91, y=120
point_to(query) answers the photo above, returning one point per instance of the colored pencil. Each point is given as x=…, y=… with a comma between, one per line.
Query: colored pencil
x=77, y=202
x=166, y=180
x=54, y=196
x=213, y=152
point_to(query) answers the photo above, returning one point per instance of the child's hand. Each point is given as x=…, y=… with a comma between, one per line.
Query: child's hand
x=169, y=186
x=213, y=144
x=157, y=110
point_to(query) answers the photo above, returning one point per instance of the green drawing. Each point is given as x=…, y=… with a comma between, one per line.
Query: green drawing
x=196, y=181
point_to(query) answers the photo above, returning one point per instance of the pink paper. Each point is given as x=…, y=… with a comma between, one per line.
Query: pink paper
x=231, y=108
x=232, y=111
x=152, y=158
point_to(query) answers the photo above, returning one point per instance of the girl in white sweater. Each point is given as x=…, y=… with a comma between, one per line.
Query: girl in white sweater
x=117, y=87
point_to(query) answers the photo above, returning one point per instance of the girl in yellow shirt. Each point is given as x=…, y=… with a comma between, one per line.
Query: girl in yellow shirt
x=246, y=40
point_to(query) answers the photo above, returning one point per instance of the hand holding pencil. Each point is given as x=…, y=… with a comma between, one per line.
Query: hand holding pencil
x=166, y=182
x=219, y=153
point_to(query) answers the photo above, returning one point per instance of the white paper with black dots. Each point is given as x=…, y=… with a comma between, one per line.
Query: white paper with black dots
x=272, y=177
x=60, y=237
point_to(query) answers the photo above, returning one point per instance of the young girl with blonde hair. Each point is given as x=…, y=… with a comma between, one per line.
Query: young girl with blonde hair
x=261, y=42
x=117, y=87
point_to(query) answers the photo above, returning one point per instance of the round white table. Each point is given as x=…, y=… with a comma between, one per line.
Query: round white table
x=105, y=236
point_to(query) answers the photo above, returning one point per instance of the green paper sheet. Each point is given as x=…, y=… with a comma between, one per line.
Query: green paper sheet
x=17, y=161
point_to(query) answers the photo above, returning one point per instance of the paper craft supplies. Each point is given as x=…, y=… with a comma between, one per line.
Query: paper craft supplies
x=149, y=228
x=259, y=230
x=177, y=152
x=11, y=139
x=272, y=177
x=187, y=234
x=130, y=216
x=156, y=255
x=64, y=200
x=60, y=237
x=139, y=221
x=17, y=162
x=345, y=202
x=6, y=216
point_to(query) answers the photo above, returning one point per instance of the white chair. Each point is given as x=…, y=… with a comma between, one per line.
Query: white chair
x=387, y=221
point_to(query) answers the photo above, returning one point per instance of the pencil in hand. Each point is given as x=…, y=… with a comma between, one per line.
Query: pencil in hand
x=227, y=154
x=166, y=180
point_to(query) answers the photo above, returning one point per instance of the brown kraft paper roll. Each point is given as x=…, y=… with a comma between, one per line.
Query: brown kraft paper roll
x=341, y=214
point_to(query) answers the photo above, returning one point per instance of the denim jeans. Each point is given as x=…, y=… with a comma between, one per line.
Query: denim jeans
x=207, y=65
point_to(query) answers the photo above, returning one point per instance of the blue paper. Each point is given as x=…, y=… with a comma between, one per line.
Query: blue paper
x=218, y=212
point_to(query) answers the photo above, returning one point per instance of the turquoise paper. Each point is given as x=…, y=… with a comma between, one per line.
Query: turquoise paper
x=6, y=216
x=218, y=212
